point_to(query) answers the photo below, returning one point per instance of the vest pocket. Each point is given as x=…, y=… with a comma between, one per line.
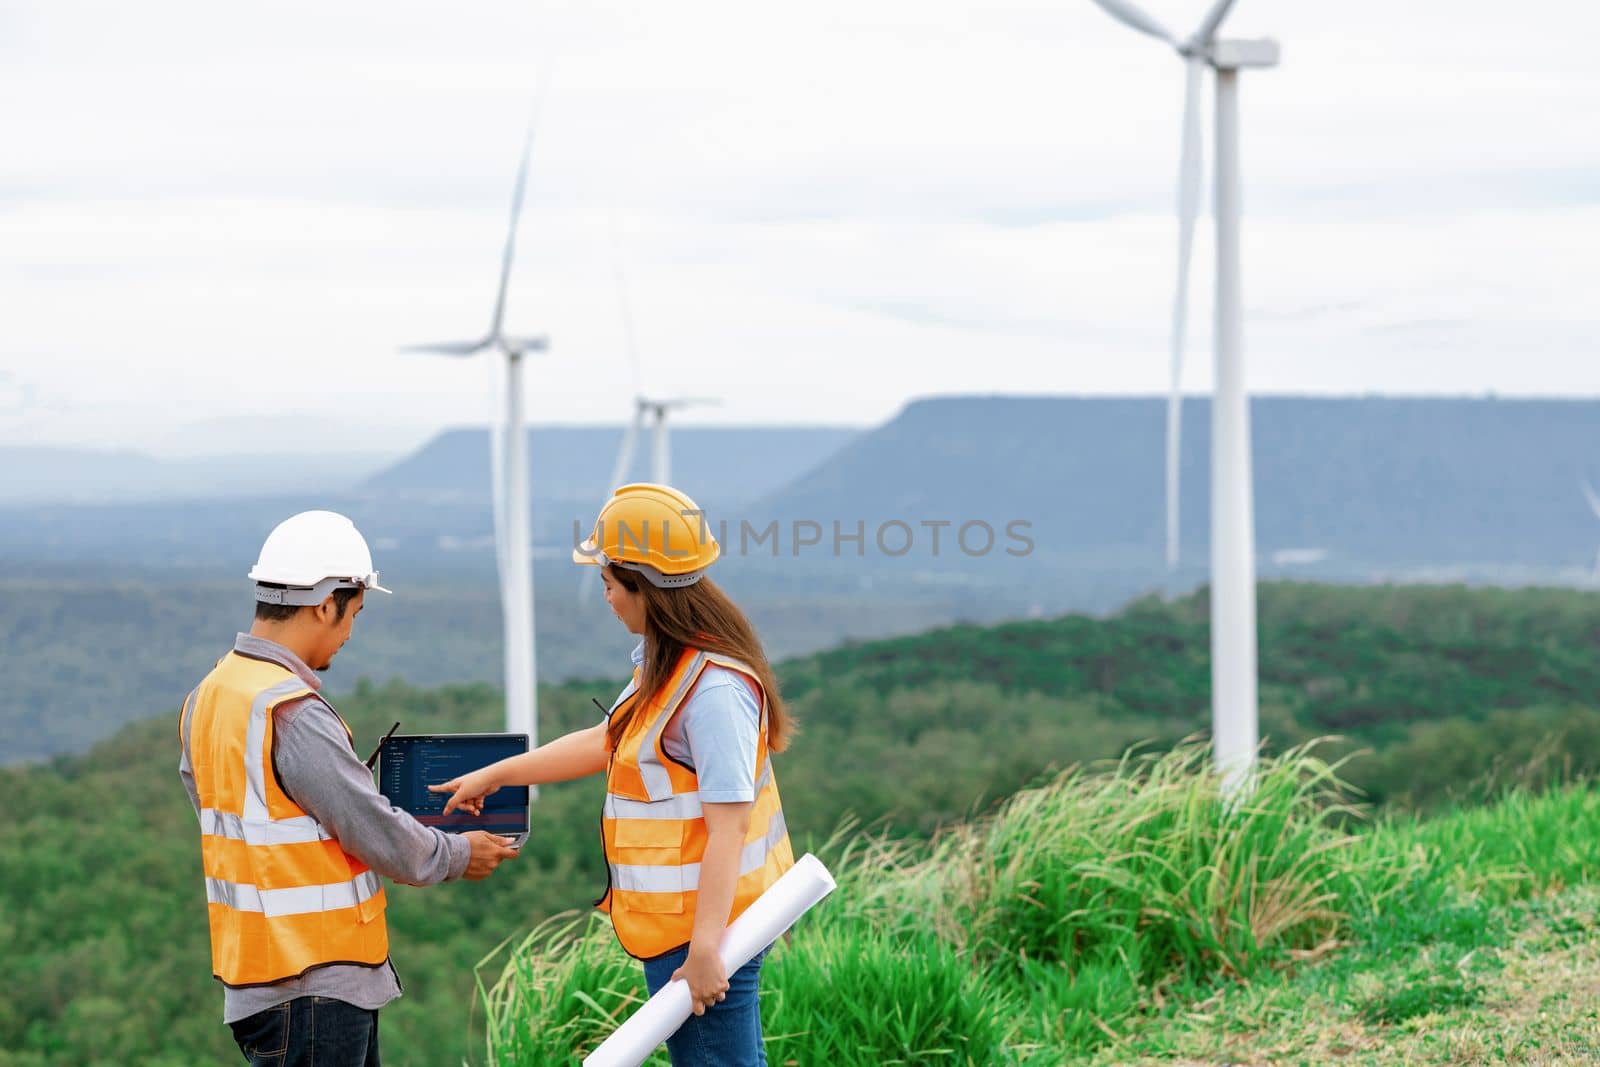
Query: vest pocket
x=649, y=858
x=654, y=903
x=371, y=908
x=664, y=834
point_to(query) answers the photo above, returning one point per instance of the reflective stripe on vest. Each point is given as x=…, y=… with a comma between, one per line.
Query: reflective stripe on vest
x=282, y=895
x=296, y=901
x=640, y=878
x=653, y=825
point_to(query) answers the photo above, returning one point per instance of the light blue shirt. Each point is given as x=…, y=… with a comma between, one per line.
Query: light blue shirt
x=716, y=733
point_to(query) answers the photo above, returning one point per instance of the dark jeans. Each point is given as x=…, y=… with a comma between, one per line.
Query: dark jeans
x=307, y=1031
x=729, y=1033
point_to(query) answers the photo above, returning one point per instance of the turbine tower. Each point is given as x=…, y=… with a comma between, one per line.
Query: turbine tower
x=1233, y=604
x=509, y=479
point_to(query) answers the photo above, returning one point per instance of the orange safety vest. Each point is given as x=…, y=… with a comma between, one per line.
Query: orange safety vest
x=283, y=896
x=653, y=830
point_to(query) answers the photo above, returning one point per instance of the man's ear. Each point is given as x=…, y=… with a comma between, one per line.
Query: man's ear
x=328, y=611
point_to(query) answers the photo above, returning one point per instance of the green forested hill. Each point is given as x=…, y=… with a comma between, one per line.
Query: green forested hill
x=102, y=917
x=1447, y=683
x=88, y=654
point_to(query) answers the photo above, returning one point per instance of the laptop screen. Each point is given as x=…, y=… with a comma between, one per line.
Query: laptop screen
x=412, y=763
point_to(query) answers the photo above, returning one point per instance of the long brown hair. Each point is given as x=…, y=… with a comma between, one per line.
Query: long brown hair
x=694, y=616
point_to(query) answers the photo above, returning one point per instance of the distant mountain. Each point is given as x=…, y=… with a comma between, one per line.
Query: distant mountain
x=729, y=465
x=428, y=511
x=1342, y=484
x=1352, y=489
x=30, y=474
x=1346, y=488
x=37, y=475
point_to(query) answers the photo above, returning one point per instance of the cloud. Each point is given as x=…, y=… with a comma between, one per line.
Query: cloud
x=212, y=215
x=16, y=397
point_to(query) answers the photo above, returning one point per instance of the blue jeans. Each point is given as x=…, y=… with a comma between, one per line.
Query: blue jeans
x=729, y=1033
x=309, y=1030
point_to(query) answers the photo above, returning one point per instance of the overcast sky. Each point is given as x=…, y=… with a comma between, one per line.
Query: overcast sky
x=218, y=221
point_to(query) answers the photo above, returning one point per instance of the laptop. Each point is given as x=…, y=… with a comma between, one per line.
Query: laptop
x=412, y=762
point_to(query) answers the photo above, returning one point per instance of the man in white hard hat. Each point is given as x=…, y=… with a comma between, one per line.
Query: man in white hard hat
x=293, y=833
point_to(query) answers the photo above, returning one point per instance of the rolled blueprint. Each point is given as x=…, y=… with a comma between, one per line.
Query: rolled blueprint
x=773, y=912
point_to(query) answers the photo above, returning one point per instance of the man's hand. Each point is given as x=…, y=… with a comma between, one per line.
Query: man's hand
x=488, y=852
x=467, y=792
x=706, y=976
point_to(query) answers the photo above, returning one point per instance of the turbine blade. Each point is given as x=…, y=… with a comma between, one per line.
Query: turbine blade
x=1591, y=497
x=1213, y=19
x=518, y=191
x=623, y=302
x=1189, y=166
x=1129, y=15
x=449, y=348
x=630, y=442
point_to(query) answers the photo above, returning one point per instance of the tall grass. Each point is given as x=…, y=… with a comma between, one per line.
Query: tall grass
x=1526, y=842
x=562, y=990
x=1147, y=867
x=868, y=995
x=1053, y=926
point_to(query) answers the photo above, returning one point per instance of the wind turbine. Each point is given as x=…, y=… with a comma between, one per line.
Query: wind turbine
x=644, y=409
x=1233, y=605
x=661, y=445
x=509, y=479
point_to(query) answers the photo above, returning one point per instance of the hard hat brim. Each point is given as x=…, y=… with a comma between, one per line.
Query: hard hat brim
x=587, y=553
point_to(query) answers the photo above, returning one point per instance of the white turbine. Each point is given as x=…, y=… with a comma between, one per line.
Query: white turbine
x=1594, y=506
x=509, y=479
x=1233, y=605
x=643, y=408
x=661, y=445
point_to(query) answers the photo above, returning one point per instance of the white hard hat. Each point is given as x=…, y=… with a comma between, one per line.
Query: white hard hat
x=312, y=554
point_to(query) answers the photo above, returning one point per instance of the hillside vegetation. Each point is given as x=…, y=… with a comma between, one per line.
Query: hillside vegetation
x=1135, y=913
x=1458, y=692
x=87, y=656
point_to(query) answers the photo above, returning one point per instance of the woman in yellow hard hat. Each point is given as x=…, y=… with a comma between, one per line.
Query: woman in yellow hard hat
x=693, y=827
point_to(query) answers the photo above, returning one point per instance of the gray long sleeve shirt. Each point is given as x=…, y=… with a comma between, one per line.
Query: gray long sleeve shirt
x=318, y=768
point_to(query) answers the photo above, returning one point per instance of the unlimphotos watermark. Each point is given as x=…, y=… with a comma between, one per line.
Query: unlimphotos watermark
x=891, y=538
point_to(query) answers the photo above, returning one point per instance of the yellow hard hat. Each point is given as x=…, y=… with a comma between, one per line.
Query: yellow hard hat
x=655, y=530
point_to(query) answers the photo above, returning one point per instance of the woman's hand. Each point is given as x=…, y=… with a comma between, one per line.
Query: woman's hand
x=707, y=978
x=467, y=792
